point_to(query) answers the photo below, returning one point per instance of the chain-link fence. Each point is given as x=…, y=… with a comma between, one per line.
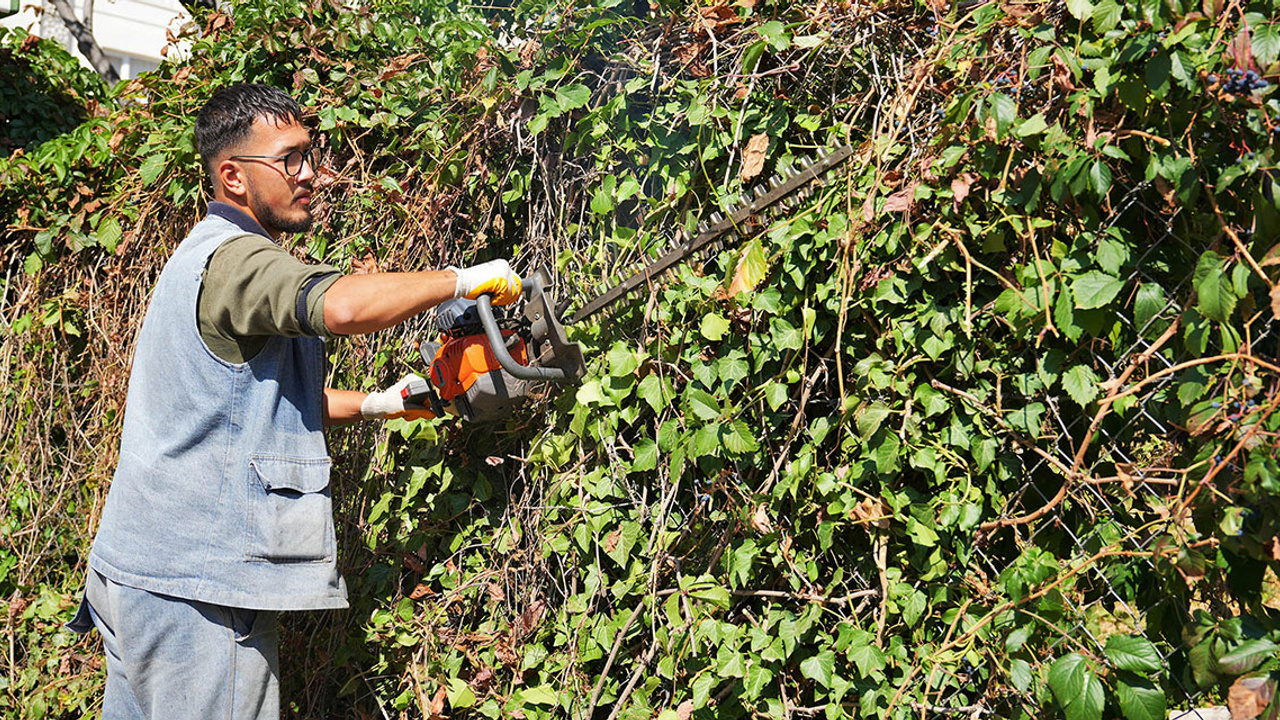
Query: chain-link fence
x=1112, y=489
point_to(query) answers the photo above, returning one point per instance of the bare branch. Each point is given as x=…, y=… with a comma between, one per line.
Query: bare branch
x=88, y=45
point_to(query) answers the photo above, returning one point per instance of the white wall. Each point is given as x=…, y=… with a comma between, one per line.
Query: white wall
x=130, y=32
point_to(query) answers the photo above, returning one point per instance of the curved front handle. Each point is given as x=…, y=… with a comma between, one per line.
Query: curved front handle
x=484, y=308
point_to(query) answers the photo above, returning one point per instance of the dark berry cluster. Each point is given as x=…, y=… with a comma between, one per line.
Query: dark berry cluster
x=1241, y=82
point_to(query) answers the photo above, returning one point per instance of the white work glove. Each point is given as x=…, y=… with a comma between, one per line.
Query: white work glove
x=390, y=403
x=494, y=277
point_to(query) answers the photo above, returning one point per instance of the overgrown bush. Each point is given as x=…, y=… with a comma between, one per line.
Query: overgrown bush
x=984, y=425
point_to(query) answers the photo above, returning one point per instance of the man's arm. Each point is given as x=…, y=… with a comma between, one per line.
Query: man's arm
x=356, y=304
x=342, y=407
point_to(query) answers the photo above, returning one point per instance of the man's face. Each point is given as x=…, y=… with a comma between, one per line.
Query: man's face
x=278, y=201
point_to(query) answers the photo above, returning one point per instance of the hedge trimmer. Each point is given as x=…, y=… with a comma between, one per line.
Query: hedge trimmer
x=482, y=366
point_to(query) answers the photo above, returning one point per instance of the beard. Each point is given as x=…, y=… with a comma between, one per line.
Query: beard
x=272, y=220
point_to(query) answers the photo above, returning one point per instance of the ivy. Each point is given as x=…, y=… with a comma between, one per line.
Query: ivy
x=968, y=428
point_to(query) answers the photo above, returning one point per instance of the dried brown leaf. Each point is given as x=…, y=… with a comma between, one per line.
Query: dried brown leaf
x=1271, y=258
x=685, y=710
x=1275, y=300
x=611, y=541
x=527, y=51
x=496, y=593
x=753, y=156
x=872, y=511
x=528, y=619
x=760, y=521
x=1061, y=75
x=435, y=706
x=1249, y=696
x=716, y=17
x=960, y=187
x=902, y=200
x=365, y=265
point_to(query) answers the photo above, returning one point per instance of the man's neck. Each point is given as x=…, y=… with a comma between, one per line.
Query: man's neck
x=241, y=216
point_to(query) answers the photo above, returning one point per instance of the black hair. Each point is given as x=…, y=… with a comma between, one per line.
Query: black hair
x=225, y=120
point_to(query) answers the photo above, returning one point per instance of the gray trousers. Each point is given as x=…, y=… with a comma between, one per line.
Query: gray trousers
x=175, y=659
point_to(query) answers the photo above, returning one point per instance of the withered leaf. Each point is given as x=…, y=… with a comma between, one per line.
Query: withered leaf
x=902, y=200
x=960, y=187
x=753, y=156
x=1249, y=696
x=760, y=521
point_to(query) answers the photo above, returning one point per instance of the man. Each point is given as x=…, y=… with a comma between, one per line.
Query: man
x=220, y=514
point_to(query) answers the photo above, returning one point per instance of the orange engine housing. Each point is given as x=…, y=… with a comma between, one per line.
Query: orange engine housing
x=460, y=361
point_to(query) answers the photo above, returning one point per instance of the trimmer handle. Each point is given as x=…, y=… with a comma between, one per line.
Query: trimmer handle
x=484, y=308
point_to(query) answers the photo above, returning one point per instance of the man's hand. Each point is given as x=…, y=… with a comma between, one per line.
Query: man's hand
x=494, y=277
x=389, y=404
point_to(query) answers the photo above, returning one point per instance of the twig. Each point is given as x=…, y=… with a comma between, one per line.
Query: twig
x=807, y=597
x=608, y=663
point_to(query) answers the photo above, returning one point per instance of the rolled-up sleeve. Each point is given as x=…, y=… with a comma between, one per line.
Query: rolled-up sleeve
x=254, y=289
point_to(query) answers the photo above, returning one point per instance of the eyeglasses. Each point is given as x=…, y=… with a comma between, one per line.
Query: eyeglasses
x=292, y=161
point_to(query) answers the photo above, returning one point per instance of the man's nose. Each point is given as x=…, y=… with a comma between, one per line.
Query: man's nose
x=307, y=173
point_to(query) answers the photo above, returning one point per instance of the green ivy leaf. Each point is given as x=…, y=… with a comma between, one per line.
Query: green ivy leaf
x=1027, y=419
x=1080, y=9
x=737, y=438
x=1266, y=44
x=1076, y=688
x=886, y=454
x=460, y=694
x=1148, y=303
x=541, y=695
x=1247, y=656
x=702, y=686
x=572, y=97
x=702, y=404
x=714, y=326
x=1095, y=289
x=820, y=668
x=984, y=453
x=871, y=418
x=655, y=391
x=785, y=335
x=1139, y=698
x=1215, y=298
x=1081, y=384
x=868, y=658
x=776, y=394
x=775, y=33
x=591, y=393
x=151, y=168
x=758, y=678
x=646, y=456
x=1129, y=652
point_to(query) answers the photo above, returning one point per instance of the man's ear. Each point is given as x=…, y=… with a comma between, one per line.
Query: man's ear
x=229, y=175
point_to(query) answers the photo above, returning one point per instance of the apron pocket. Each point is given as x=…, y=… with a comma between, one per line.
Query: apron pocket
x=290, y=509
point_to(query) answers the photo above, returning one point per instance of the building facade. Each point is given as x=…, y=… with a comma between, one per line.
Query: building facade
x=130, y=32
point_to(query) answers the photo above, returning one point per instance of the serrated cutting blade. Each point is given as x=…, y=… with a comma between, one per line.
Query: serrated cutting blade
x=716, y=227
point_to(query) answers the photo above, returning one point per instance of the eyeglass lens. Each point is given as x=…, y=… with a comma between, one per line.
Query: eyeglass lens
x=293, y=161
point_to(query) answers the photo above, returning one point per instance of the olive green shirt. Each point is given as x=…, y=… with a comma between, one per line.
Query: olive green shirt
x=253, y=289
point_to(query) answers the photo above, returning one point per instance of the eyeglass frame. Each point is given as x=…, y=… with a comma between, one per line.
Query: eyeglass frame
x=308, y=156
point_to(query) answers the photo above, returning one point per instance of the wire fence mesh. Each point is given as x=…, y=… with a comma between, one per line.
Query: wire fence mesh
x=1104, y=489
